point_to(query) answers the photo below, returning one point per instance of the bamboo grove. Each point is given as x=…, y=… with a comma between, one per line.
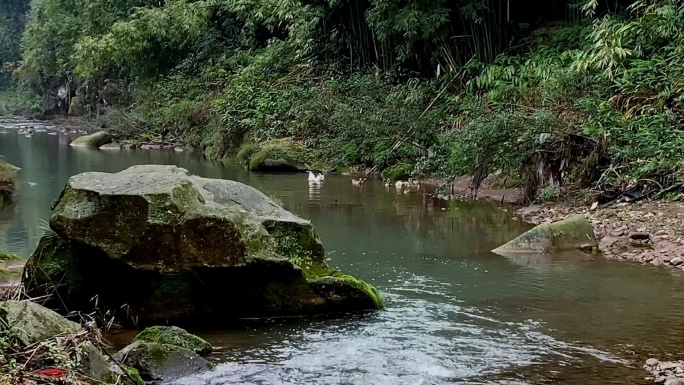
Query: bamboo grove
x=443, y=85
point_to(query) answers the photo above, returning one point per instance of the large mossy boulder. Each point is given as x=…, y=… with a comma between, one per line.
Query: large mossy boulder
x=572, y=233
x=173, y=335
x=276, y=155
x=93, y=140
x=161, y=362
x=157, y=245
x=8, y=174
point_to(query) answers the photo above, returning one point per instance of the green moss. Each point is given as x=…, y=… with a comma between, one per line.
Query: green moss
x=135, y=375
x=174, y=336
x=257, y=159
x=300, y=244
x=8, y=257
x=7, y=182
x=400, y=171
x=117, y=378
x=370, y=290
x=245, y=153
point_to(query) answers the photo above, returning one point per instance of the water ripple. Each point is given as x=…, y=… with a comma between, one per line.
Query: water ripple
x=416, y=341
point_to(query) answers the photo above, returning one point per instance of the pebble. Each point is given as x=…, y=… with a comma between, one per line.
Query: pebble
x=661, y=232
x=652, y=362
x=676, y=261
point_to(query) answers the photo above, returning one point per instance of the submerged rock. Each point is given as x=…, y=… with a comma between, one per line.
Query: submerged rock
x=8, y=174
x=568, y=234
x=161, y=362
x=93, y=140
x=159, y=245
x=173, y=335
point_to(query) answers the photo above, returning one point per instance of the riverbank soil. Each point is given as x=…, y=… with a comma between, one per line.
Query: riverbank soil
x=647, y=232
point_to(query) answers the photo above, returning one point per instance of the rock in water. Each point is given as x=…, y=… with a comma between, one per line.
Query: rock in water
x=8, y=173
x=158, y=245
x=93, y=140
x=173, y=335
x=277, y=155
x=571, y=233
x=161, y=362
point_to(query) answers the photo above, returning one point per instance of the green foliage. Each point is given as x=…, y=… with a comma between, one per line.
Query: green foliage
x=20, y=102
x=12, y=21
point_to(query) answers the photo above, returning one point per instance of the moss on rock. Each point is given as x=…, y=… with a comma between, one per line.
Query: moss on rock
x=93, y=140
x=172, y=335
x=347, y=289
x=571, y=233
x=277, y=155
x=8, y=174
x=161, y=362
x=400, y=171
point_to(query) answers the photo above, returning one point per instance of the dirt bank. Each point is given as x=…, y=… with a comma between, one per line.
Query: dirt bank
x=648, y=232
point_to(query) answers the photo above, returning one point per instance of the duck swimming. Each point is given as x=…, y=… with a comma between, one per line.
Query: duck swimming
x=358, y=182
x=316, y=178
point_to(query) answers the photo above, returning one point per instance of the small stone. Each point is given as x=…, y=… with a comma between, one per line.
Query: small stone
x=649, y=258
x=674, y=381
x=666, y=236
x=676, y=261
x=617, y=233
x=652, y=362
x=661, y=232
x=666, y=258
x=640, y=236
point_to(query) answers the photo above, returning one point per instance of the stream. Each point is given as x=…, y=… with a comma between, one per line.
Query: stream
x=456, y=313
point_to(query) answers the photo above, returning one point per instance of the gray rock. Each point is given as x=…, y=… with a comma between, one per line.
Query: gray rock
x=33, y=322
x=93, y=140
x=568, y=234
x=676, y=261
x=175, y=247
x=652, y=362
x=674, y=381
x=161, y=362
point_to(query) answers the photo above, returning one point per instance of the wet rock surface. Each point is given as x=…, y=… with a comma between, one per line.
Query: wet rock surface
x=665, y=372
x=646, y=232
x=161, y=362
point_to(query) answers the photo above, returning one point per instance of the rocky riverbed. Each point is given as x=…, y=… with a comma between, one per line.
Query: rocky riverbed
x=665, y=372
x=647, y=232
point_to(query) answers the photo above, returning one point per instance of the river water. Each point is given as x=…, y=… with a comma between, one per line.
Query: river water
x=456, y=313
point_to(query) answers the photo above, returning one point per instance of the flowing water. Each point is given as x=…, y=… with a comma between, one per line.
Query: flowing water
x=456, y=313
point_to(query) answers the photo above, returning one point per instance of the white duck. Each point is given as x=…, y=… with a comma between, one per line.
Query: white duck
x=316, y=178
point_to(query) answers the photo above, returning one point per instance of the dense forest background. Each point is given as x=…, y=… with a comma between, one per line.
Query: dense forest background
x=583, y=92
